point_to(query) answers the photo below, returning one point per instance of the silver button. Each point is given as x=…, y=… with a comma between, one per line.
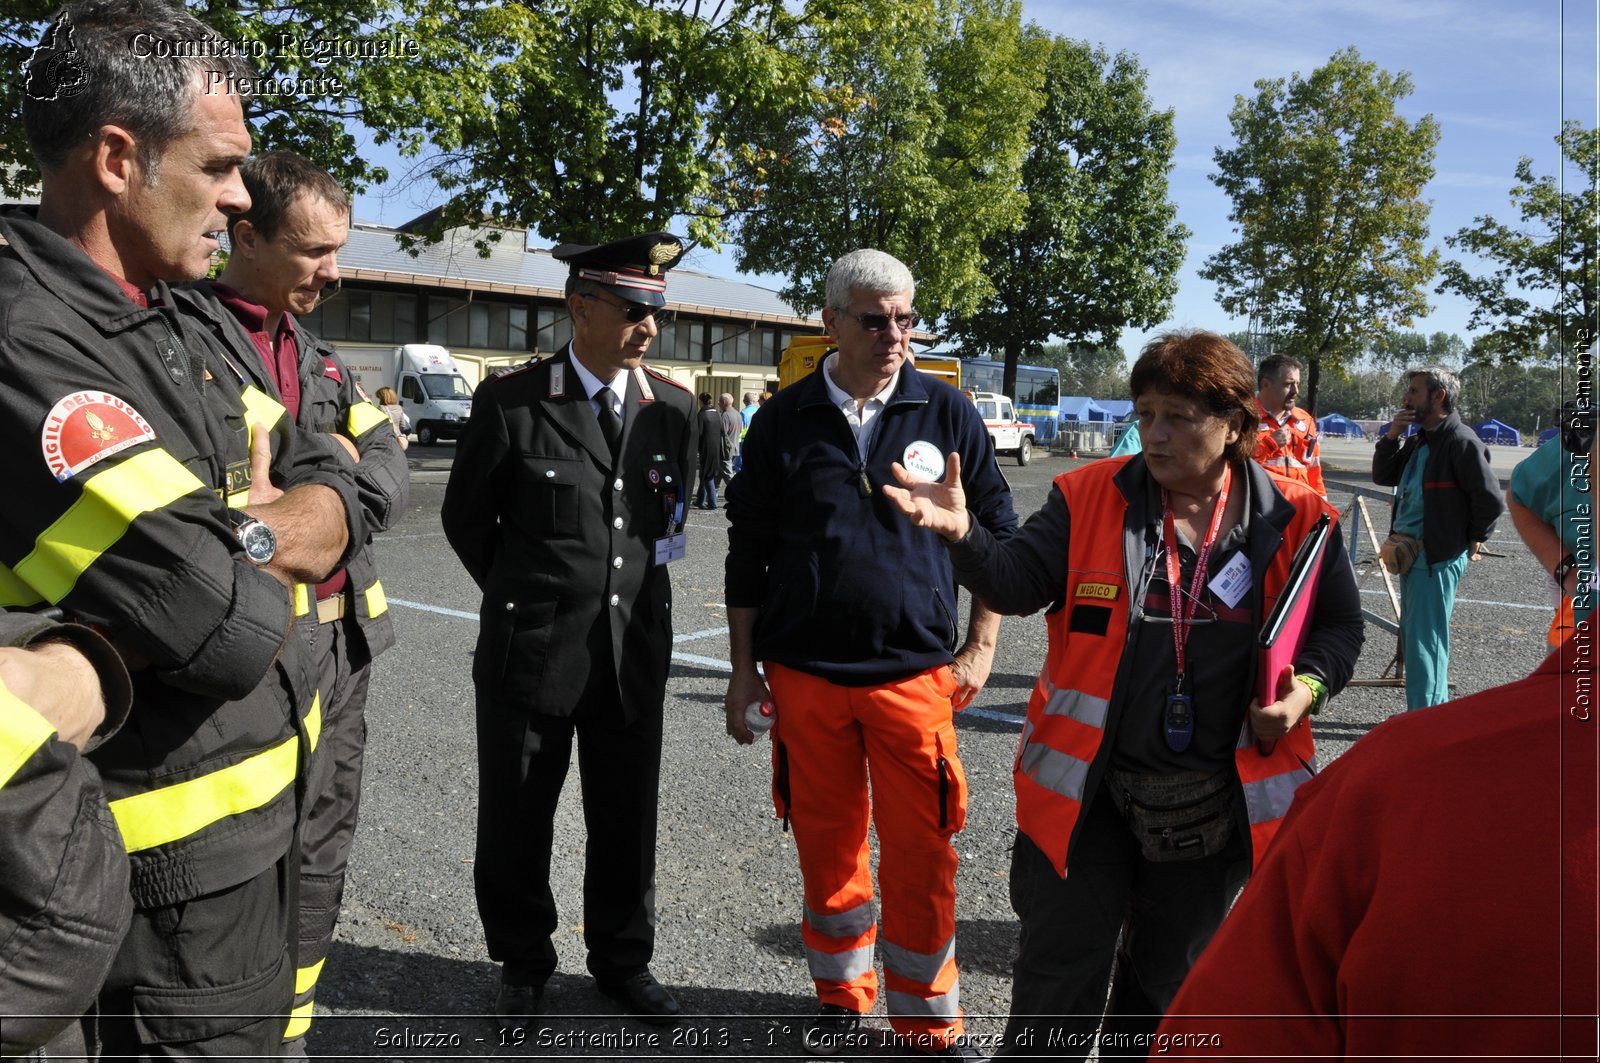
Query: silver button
x=617, y=523
x=549, y=474
x=669, y=479
x=510, y=606
x=616, y=562
x=617, y=486
x=616, y=599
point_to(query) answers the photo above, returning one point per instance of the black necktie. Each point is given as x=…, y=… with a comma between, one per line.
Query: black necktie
x=610, y=419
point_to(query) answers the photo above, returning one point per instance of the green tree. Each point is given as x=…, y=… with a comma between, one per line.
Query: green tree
x=1546, y=282
x=1100, y=372
x=912, y=143
x=587, y=119
x=387, y=95
x=1097, y=248
x=1326, y=180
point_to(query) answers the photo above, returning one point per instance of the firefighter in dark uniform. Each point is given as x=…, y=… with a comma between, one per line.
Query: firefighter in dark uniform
x=64, y=903
x=283, y=254
x=145, y=493
x=565, y=503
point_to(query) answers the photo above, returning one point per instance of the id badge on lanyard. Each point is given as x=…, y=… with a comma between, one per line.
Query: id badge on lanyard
x=1177, y=719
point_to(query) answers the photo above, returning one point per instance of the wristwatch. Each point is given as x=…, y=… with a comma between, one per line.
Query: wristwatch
x=1563, y=568
x=259, y=542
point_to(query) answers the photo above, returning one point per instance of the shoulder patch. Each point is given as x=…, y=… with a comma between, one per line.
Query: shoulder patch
x=330, y=369
x=86, y=427
x=659, y=375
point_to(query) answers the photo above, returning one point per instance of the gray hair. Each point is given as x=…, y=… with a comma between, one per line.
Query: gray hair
x=867, y=270
x=749, y=398
x=1439, y=379
x=129, y=63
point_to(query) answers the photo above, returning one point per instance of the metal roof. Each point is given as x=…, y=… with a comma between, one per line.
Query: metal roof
x=373, y=254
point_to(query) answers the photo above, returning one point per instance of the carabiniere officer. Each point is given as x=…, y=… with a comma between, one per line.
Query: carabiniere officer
x=566, y=503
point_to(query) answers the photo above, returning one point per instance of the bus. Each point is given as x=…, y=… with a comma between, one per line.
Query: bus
x=1038, y=397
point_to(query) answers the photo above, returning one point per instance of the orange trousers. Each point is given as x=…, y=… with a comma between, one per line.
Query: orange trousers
x=828, y=742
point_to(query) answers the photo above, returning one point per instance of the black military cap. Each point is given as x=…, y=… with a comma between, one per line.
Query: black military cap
x=634, y=268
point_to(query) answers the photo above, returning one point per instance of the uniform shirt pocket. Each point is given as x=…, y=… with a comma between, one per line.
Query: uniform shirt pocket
x=547, y=494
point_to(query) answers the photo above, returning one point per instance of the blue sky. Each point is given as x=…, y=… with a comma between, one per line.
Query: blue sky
x=1498, y=75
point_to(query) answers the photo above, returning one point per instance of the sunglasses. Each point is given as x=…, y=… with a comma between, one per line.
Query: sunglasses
x=634, y=313
x=879, y=322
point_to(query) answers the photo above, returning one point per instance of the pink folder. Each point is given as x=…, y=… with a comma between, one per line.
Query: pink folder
x=1284, y=633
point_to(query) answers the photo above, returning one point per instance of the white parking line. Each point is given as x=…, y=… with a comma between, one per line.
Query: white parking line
x=1476, y=601
x=434, y=609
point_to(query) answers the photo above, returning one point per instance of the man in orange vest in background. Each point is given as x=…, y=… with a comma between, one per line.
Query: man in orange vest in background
x=1288, y=444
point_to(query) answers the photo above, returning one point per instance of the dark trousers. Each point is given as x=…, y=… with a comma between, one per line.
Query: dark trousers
x=333, y=795
x=204, y=978
x=1165, y=913
x=522, y=764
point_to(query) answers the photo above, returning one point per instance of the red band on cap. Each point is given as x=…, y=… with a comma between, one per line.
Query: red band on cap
x=625, y=280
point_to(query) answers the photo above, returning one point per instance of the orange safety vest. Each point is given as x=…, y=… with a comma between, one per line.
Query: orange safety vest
x=1065, y=728
x=1301, y=459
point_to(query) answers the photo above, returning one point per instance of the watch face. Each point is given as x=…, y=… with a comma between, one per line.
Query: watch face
x=259, y=543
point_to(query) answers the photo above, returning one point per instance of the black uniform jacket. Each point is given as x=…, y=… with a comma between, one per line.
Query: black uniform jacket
x=557, y=537
x=121, y=519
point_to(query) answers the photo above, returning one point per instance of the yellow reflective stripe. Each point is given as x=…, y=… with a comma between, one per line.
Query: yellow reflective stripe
x=314, y=719
x=363, y=418
x=299, y=1021
x=306, y=977
x=110, y=502
x=377, y=601
x=14, y=592
x=22, y=732
x=237, y=499
x=169, y=813
x=302, y=599
x=260, y=408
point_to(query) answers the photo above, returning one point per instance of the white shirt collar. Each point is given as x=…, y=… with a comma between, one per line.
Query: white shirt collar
x=846, y=401
x=591, y=383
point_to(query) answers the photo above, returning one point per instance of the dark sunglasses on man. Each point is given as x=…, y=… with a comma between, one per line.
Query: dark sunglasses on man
x=634, y=313
x=878, y=322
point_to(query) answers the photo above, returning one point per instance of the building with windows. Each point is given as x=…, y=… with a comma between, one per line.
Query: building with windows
x=504, y=308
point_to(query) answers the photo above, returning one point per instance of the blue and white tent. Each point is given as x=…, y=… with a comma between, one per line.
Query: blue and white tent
x=1338, y=426
x=1498, y=433
x=1082, y=408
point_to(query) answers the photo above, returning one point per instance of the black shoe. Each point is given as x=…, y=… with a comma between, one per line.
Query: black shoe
x=957, y=1048
x=826, y=1031
x=643, y=998
x=517, y=1003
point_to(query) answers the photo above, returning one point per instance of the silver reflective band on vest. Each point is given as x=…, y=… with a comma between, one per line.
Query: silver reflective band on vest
x=844, y=966
x=850, y=923
x=1268, y=799
x=1065, y=775
x=947, y=1006
x=1085, y=708
x=924, y=967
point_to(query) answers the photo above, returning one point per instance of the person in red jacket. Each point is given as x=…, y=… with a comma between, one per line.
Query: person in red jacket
x=1288, y=443
x=1433, y=893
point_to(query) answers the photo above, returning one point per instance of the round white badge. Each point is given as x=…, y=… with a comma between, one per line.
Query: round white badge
x=924, y=461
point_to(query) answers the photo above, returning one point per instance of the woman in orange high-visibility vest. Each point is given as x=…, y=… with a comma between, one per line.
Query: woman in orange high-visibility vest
x=1147, y=775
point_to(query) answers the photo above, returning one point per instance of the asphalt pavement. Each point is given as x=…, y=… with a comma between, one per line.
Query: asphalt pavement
x=408, y=977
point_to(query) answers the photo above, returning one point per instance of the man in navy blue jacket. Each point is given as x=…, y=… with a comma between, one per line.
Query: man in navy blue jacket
x=852, y=612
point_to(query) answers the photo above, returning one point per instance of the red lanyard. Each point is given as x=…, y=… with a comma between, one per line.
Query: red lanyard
x=1181, y=617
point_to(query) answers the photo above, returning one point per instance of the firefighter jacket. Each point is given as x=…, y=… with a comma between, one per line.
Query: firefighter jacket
x=128, y=437
x=332, y=403
x=1095, y=592
x=559, y=534
x=1301, y=458
x=64, y=903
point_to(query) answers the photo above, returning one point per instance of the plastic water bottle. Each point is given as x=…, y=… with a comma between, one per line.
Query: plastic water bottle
x=759, y=716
